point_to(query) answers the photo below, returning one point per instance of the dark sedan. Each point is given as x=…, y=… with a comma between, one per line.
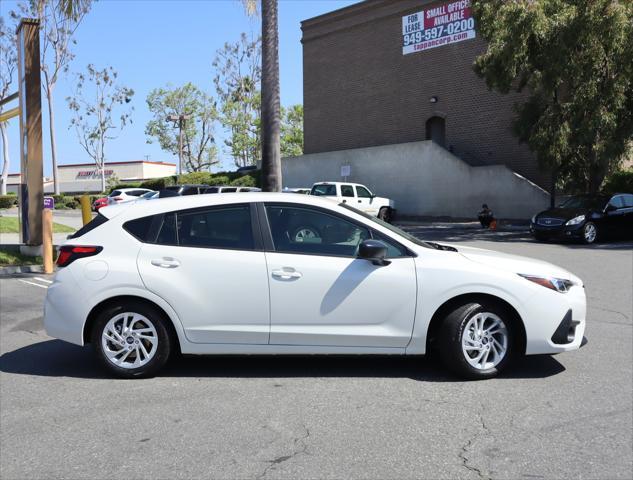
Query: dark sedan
x=587, y=218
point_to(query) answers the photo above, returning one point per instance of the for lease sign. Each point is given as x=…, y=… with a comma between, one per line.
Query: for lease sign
x=450, y=22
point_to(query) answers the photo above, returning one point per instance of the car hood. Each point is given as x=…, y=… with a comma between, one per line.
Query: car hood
x=516, y=263
x=564, y=213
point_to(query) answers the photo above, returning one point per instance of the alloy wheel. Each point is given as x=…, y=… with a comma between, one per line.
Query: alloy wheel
x=590, y=233
x=129, y=340
x=485, y=341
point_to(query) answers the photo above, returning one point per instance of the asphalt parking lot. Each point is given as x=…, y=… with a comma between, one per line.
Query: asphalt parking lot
x=566, y=416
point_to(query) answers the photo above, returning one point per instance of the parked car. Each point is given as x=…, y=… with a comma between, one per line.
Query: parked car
x=357, y=196
x=301, y=190
x=588, y=218
x=230, y=189
x=141, y=283
x=99, y=202
x=183, y=190
x=124, y=195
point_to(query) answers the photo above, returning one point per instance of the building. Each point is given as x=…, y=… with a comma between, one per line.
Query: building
x=383, y=73
x=86, y=178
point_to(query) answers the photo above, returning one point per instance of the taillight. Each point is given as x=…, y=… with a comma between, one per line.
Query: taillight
x=69, y=253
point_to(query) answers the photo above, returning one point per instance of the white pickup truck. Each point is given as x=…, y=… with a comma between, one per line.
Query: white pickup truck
x=357, y=196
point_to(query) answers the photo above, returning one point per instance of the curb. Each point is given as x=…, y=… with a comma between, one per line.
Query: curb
x=14, y=269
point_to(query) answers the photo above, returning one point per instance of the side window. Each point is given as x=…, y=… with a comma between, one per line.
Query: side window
x=324, y=190
x=362, y=192
x=189, y=191
x=229, y=190
x=617, y=201
x=139, y=228
x=217, y=228
x=311, y=231
x=393, y=249
x=347, y=191
x=167, y=233
x=115, y=193
x=628, y=200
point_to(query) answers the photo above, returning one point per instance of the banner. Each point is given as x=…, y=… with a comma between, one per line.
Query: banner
x=449, y=23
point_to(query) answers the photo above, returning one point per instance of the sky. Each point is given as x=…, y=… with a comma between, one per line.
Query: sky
x=151, y=43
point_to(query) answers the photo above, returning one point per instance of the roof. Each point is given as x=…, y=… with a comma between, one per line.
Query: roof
x=107, y=164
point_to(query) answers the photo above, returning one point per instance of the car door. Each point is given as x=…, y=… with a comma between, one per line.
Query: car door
x=614, y=216
x=207, y=263
x=621, y=219
x=321, y=294
x=365, y=200
x=348, y=196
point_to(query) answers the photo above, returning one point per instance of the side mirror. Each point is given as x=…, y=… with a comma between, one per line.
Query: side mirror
x=374, y=251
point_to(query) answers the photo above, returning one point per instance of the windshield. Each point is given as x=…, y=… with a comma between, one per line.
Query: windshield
x=390, y=227
x=324, y=190
x=148, y=195
x=585, y=202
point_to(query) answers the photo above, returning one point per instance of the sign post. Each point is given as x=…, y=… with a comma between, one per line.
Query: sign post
x=346, y=171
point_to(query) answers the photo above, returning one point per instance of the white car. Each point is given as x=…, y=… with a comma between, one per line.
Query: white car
x=141, y=283
x=357, y=196
x=124, y=195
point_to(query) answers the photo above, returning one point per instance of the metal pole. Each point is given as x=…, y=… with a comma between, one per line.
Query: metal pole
x=180, y=122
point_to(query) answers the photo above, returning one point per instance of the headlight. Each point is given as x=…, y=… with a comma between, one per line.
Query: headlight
x=561, y=285
x=576, y=220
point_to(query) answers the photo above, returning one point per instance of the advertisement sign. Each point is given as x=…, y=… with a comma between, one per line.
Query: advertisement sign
x=49, y=202
x=94, y=173
x=441, y=25
x=346, y=170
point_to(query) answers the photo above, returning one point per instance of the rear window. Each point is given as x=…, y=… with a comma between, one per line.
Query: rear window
x=324, y=190
x=115, y=193
x=91, y=225
x=139, y=228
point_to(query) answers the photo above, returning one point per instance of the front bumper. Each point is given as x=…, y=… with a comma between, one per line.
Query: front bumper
x=558, y=232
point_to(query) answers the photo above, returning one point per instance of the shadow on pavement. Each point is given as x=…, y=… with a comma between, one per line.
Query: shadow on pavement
x=54, y=358
x=450, y=234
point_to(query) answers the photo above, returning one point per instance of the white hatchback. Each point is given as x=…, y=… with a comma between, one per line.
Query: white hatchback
x=235, y=274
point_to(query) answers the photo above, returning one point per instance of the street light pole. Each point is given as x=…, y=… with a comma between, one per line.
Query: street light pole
x=181, y=119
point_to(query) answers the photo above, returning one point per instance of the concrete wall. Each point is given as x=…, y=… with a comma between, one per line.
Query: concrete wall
x=424, y=179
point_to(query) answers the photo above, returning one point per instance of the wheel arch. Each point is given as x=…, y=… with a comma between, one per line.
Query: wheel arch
x=118, y=299
x=455, y=302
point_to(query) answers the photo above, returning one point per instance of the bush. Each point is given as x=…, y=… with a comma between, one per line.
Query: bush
x=7, y=201
x=196, y=178
x=245, y=181
x=620, y=182
x=12, y=193
x=125, y=185
x=219, y=180
x=158, y=183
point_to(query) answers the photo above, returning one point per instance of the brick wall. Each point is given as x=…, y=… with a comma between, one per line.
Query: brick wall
x=361, y=91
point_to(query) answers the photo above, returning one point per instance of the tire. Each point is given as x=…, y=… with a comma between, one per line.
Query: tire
x=305, y=232
x=456, y=341
x=118, y=352
x=384, y=214
x=589, y=233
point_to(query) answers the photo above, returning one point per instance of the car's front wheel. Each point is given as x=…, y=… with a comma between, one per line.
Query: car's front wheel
x=590, y=233
x=477, y=341
x=131, y=340
x=384, y=214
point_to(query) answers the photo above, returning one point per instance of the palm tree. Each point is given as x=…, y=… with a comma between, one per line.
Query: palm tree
x=270, y=115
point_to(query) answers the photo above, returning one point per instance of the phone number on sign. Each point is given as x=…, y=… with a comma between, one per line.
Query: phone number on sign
x=439, y=31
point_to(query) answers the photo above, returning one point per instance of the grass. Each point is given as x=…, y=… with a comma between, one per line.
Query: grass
x=16, y=258
x=11, y=225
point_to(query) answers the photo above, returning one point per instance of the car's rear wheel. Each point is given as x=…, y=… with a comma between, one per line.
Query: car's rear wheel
x=385, y=214
x=590, y=233
x=131, y=340
x=305, y=233
x=477, y=341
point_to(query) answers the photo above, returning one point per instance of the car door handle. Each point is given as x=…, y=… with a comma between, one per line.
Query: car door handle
x=165, y=262
x=360, y=201
x=286, y=274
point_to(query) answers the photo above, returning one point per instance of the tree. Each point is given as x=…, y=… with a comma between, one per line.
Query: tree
x=292, y=131
x=574, y=59
x=199, y=150
x=59, y=21
x=237, y=84
x=96, y=97
x=8, y=64
x=270, y=104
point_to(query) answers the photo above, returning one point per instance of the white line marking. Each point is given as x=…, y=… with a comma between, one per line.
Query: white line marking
x=42, y=280
x=32, y=283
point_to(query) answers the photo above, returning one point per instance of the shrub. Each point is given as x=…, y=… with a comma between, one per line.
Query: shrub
x=12, y=193
x=219, y=180
x=196, y=177
x=245, y=181
x=620, y=182
x=157, y=183
x=7, y=201
x=124, y=185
